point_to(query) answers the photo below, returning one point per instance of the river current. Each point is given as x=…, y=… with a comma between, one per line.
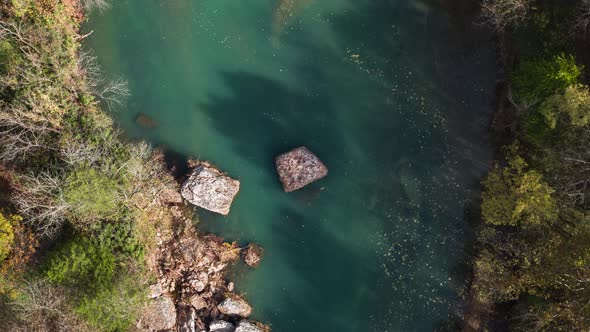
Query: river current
x=394, y=96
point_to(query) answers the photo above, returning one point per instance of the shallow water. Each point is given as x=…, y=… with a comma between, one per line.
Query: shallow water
x=393, y=96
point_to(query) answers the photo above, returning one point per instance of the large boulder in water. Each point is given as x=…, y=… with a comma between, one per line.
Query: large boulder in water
x=253, y=254
x=298, y=168
x=209, y=188
x=234, y=305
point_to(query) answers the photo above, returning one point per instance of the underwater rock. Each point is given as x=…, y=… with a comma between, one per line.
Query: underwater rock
x=145, y=121
x=160, y=314
x=253, y=254
x=234, y=305
x=209, y=188
x=221, y=326
x=298, y=168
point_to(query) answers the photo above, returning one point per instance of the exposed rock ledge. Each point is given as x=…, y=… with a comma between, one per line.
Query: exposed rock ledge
x=209, y=188
x=191, y=292
x=298, y=168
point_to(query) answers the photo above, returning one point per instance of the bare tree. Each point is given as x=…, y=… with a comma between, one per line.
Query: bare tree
x=112, y=92
x=146, y=172
x=43, y=307
x=76, y=153
x=39, y=200
x=100, y=5
x=582, y=19
x=502, y=13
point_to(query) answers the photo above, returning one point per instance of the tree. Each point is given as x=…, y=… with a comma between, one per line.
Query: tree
x=516, y=196
x=537, y=79
x=6, y=235
x=574, y=102
x=504, y=13
x=39, y=199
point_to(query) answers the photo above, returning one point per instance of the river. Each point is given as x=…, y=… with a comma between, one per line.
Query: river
x=395, y=97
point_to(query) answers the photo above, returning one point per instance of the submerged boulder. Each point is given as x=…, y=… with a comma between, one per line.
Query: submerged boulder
x=234, y=305
x=209, y=188
x=298, y=168
x=145, y=121
x=253, y=254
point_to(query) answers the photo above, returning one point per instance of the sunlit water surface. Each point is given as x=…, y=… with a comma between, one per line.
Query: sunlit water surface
x=393, y=96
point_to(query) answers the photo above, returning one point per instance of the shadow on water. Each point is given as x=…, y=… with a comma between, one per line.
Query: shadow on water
x=264, y=118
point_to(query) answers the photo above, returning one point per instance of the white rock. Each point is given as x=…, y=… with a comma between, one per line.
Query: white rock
x=246, y=326
x=235, y=305
x=210, y=189
x=221, y=326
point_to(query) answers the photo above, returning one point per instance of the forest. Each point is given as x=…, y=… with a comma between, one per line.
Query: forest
x=533, y=254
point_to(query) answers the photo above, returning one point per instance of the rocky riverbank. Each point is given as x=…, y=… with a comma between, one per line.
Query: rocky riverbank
x=192, y=292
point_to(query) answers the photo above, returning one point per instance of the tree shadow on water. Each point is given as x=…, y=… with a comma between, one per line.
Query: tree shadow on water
x=264, y=118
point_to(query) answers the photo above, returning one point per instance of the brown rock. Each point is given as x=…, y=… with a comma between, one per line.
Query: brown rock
x=198, y=302
x=169, y=196
x=145, y=121
x=210, y=189
x=298, y=168
x=160, y=314
x=253, y=254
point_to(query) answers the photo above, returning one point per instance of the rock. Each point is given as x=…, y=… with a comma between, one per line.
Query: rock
x=198, y=302
x=210, y=189
x=298, y=168
x=247, y=326
x=145, y=121
x=169, y=196
x=156, y=290
x=230, y=286
x=253, y=254
x=221, y=326
x=160, y=314
x=198, y=285
x=236, y=306
x=186, y=320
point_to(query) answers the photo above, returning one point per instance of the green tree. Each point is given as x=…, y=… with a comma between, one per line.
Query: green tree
x=516, y=196
x=574, y=103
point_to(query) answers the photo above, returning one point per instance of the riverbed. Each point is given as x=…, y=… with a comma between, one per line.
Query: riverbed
x=395, y=97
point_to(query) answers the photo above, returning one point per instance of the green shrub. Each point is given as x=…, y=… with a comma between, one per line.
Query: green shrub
x=92, y=195
x=83, y=263
x=116, y=308
x=540, y=78
x=92, y=260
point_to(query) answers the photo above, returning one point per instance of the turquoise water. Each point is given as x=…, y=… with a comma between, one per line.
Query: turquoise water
x=393, y=96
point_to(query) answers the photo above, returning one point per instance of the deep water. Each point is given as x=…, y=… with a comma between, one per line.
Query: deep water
x=394, y=96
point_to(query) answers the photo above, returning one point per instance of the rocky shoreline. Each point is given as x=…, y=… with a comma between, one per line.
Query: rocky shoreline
x=192, y=292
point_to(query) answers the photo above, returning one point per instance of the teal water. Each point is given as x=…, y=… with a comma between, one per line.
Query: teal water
x=393, y=96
